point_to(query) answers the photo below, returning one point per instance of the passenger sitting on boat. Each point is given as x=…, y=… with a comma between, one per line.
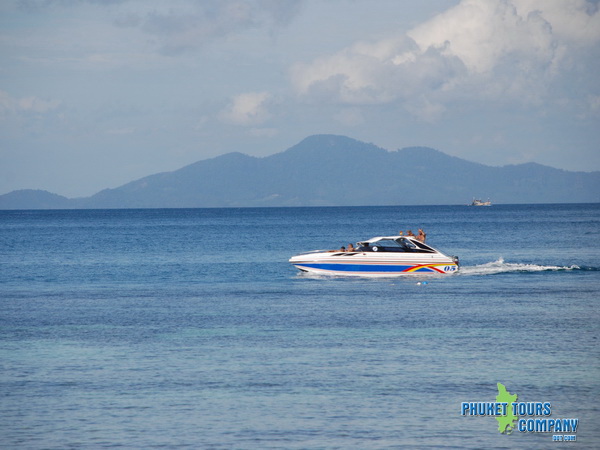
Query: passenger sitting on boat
x=350, y=248
x=422, y=236
x=410, y=233
x=343, y=249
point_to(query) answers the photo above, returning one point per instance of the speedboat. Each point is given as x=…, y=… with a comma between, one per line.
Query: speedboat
x=379, y=256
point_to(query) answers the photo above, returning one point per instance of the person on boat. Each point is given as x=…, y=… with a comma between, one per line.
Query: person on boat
x=350, y=248
x=343, y=249
x=410, y=233
x=421, y=236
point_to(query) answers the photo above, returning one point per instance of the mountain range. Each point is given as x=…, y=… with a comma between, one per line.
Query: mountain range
x=329, y=170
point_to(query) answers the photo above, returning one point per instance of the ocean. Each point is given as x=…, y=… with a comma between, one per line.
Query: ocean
x=188, y=328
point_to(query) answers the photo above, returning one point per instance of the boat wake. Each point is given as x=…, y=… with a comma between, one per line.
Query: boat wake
x=491, y=268
x=500, y=266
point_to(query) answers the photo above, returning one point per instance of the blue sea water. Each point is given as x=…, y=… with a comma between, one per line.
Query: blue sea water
x=188, y=328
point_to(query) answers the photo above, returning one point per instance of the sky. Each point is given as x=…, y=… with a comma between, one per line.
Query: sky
x=94, y=94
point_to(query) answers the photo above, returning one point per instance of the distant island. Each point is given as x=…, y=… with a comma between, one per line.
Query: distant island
x=330, y=170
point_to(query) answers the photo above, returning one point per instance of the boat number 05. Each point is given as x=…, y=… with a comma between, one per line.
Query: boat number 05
x=450, y=268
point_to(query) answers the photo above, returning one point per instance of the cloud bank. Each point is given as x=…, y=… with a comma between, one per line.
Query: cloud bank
x=517, y=50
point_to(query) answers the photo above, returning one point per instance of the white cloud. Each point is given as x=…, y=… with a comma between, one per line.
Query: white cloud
x=573, y=21
x=502, y=50
x=248, y=109
x=480, y=34
x=364, y=73
x=30, y=104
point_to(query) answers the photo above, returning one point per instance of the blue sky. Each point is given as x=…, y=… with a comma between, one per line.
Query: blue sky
x=94, y=94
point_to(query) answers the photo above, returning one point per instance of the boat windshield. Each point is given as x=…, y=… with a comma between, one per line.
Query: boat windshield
x=396, y=245
x=416, y=245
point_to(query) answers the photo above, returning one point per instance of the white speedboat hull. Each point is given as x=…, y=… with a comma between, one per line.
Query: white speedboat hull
x=348, y=265
x=376, y=263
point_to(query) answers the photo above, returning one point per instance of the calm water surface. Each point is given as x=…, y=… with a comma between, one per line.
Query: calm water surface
x=188, y=328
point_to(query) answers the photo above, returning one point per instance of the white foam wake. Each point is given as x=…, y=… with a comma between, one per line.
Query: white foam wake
x=500, y=266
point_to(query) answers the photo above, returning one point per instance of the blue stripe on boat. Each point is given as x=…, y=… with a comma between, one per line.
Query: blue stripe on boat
x=361, y=267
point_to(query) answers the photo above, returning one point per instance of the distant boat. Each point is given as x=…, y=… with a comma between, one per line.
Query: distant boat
x=477, y=202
